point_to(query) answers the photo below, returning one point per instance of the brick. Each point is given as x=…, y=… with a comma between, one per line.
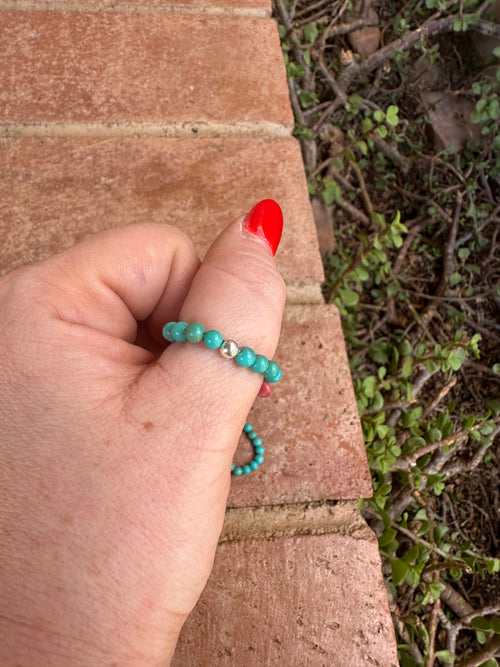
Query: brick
x=309, y=425
x=307, y=601
x=175, y=5
x=118, y=67
x=55, y=192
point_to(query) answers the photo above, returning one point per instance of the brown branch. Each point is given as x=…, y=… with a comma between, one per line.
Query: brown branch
x=420, y=540
x=364, y=191
x=412, y=458
x=484, y=611
x=433, y=622
x=452, y=630
x=356, y=214
x=455, y=601
x=392, y=153
x=449, y=250
x=491, y=650
x=336, y=89
x=402, y=630
x=439, y=398
x=346, y=28
x=428, y=29
x=459, y=467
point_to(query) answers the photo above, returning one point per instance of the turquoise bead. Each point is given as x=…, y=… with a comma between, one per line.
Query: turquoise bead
x=167, y=329
x=261, y=364
x=213, y=340
x=276, y=378
x=178, y=332
x=272, y=372
x=194, y=332
x=245, y=357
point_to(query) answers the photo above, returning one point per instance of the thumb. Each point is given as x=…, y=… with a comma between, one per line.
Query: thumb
x=239, y=292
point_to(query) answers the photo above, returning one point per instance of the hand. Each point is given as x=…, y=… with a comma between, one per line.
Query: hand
x=115, y=450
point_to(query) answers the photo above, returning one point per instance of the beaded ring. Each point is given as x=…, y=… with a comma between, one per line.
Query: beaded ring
x=245, y=357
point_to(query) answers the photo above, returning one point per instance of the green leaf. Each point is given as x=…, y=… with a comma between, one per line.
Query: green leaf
x=480, y=637
x=456, y=358
x=489, y=663
x=332, y=192
x=495, y=625
x=481, y=623
x=355, y=103
x=407, y=368
x=382, y=431
x=366, y=125
x=436, y=588
x=363, y=147
x=380, y=352
x=387, y=536
x=310, y=32
x=493, y=565
x=392, y=115
x=438, y=488
x=349, y=297
x=455, y=278
x=399, y=570
x=369, y=384
x=377, y=402
x=445, y=655
x=493, y=404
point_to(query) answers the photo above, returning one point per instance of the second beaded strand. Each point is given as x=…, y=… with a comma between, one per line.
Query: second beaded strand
x=246, y=358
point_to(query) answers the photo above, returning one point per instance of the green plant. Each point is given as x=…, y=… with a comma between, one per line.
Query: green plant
x=414, y=273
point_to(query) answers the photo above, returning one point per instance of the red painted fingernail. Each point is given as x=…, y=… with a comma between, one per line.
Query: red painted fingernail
x=265, y=220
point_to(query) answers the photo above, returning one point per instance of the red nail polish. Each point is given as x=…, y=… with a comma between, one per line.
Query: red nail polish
x=265, y=220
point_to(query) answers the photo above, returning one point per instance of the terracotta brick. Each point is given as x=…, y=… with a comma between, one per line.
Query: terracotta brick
x=175, y=5
x=309, y=425
x=308, y=601
x=55, y=192
x=104, y=66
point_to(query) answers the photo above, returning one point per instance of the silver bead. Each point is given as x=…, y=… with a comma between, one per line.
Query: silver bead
x=229, y=349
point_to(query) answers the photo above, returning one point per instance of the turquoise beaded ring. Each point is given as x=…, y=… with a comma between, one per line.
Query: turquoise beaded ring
x=245, y=357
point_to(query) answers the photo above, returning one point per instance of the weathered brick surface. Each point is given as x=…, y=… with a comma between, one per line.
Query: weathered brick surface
x=70, y=66
x=307, y=601
x=311, y=592
x=55, y=192
x=309, y=425
x=178, y=5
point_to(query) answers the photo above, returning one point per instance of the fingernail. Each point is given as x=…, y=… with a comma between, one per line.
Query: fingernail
x=265, y=220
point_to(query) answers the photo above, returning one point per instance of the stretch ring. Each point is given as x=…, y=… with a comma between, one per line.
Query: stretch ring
x=245, y=357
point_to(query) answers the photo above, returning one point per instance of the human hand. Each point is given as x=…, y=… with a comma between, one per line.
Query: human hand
x=114, y=451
